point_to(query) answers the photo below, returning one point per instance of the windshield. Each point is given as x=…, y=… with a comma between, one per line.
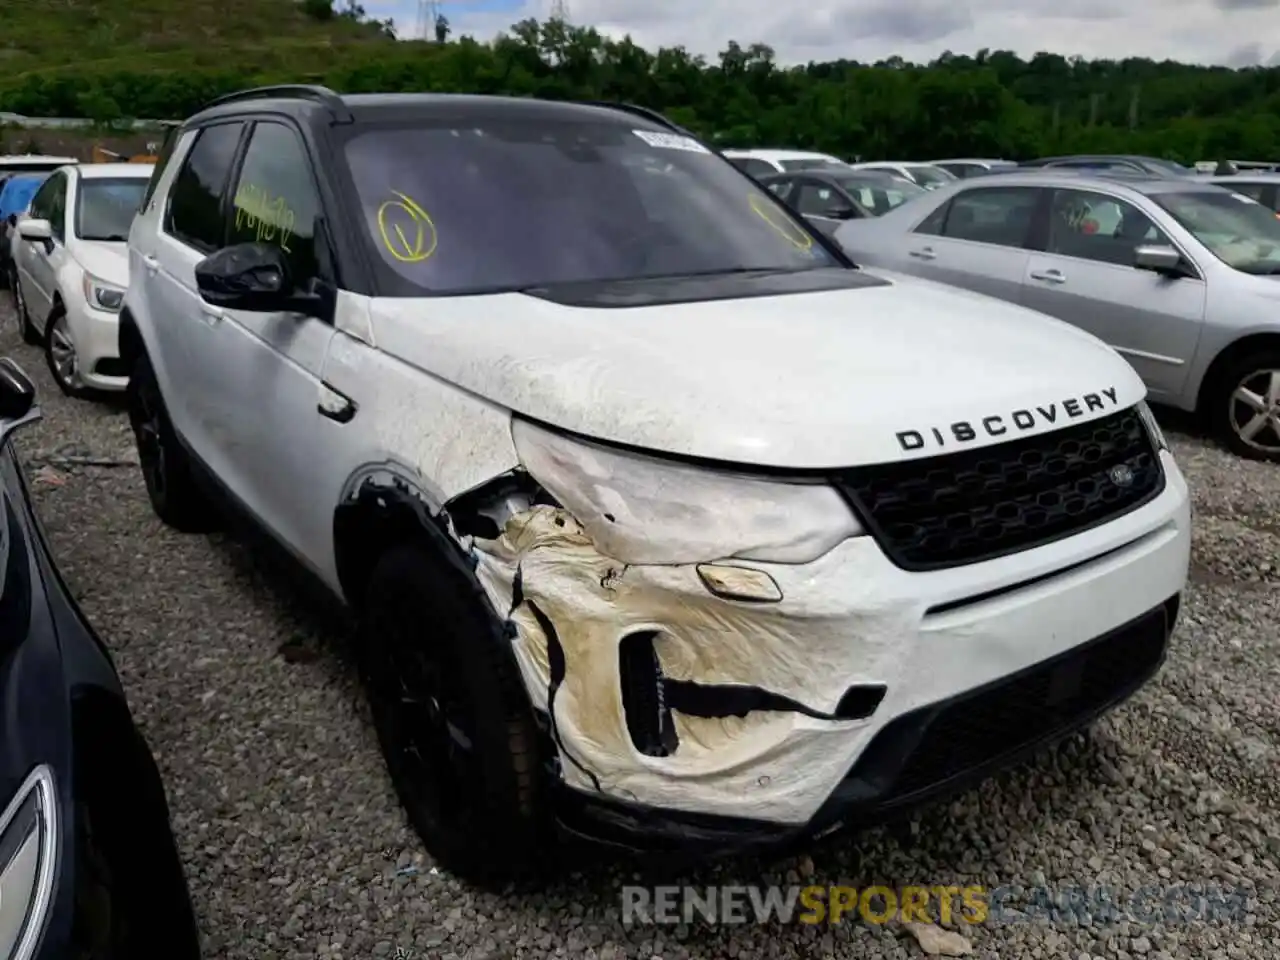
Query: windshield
x=511, y=204
x=880, y=194
x=1238, y=230
x=105, y=208
x=1171, y=166
x=928, y=175
x=813, y=163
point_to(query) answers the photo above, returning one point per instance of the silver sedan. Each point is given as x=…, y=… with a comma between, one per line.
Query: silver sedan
x=1180, y=277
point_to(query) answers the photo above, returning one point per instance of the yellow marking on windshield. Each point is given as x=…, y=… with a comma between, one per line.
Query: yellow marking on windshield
x=775, y=218
x=405, y=227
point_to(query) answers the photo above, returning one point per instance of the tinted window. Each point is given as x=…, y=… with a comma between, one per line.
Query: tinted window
x=275, y=199
x=171, y=138
x=999, y=215
x=753, y=167
x=932, y=224
x=930, y=176
x=42, y=202
x=881, y=195
x=812, y=163
x=195, y=200
x=496, y=203
x=106, y=208
x=1093, y=226
x=1237, y=230
x=781, y=187
x=819, y=200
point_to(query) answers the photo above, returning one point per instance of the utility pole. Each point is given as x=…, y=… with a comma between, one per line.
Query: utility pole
x=428, y=14
x=560, y=10
x=1133, y=107
x=1093, y=108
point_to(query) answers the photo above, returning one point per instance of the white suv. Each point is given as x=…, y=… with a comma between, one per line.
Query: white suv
x=71, y=270
x=662, y=521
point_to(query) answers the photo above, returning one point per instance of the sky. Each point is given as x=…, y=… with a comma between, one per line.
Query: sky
x=1232, y=32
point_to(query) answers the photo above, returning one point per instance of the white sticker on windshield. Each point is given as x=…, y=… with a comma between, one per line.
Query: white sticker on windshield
x=670, y=141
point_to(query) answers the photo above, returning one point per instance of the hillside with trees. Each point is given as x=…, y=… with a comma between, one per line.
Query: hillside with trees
x=166, y=57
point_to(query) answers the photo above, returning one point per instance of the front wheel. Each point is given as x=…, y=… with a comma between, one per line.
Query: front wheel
x=29, y=333
x=60, y=354
x=455, y=728
x=166, y=468
x=1246, y=409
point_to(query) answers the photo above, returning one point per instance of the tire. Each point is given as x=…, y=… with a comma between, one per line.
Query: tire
x=1230, y=413
x=60, y=354
x=29, y=333
x=166, y=468
x=431, y=651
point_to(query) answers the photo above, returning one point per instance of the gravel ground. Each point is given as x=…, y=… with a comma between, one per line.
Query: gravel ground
x=295, y=846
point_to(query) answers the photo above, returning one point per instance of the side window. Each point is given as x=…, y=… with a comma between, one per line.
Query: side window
x=782, y=188
x=42, y=200
x=1094, y=226
x=171, y=138
x=195, y=199
x=753, y=167
x=998, y=215
x=276, y=200
x=932, y=224
x=819, y=200
x=58, y=209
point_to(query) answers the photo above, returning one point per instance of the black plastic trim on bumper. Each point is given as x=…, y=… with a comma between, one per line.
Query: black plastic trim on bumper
x=868, y=794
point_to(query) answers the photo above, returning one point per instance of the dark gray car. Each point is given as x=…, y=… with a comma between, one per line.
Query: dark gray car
x=829, y=198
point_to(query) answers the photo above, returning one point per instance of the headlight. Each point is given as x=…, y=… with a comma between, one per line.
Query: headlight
x=1153, y=428
x=641, y=509
x=102, y=295
x=28, y=846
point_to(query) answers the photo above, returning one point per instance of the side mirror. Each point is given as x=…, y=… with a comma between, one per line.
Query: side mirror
x=1159, y=259
x=17, y=399
x=40, y=231
x=254, y=277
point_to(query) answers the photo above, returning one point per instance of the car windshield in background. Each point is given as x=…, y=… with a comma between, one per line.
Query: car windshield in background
x=1173, y=167
x=1238, y=230
x=105, y=208
x=812, y=163
x=517, y=204
x=930, y=176
x=880, y=195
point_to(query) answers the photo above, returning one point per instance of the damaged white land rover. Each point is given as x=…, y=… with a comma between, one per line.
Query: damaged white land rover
x=665, y=524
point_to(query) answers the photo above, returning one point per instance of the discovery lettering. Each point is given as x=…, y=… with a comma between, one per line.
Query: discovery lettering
x=999, y=424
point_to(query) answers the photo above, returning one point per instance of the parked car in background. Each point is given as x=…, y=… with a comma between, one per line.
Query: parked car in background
x=962, y=169
x=760, y=162
x=16, y=163
x=419, y=424
x=1152, y=166
x=16, y=191
x=926, y=175
x=1261, y=186
x=1180, y=276
x=71, y=270
x=829, y=198
x=88, y=863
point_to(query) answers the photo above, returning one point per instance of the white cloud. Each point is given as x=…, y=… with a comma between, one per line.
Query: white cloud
x=1199, y=31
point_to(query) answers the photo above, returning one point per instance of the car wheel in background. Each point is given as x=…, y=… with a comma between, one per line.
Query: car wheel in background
x=452, y=719
x=167, y=470
x=29, y=334
x=1246, y=410
x=60, y=353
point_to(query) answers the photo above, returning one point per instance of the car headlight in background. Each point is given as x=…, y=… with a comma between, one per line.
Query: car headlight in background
x=28, y=849
x=640, y=509
x=102, y=295
x=1153, y=428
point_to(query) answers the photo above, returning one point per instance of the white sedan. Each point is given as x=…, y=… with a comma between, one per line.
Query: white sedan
x=71, y=269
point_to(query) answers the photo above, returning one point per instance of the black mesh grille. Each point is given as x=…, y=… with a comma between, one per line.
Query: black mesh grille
x=976, y=505
x=974, y=730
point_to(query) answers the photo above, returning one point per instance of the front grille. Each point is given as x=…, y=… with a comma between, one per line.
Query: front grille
x=921, y=751
x=977, y=505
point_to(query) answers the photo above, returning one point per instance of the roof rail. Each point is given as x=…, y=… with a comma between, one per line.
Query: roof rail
x=639, y=111
x=308, y=91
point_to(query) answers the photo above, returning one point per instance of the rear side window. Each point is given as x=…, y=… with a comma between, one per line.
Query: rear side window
x=195, y=214
x=1001, y=216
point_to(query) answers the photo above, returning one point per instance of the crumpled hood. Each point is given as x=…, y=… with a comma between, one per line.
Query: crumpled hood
x=811, y=380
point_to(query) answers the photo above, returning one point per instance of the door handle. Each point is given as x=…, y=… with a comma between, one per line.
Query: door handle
x=1049, y=276
x=924, y=253
x=151, y=263
x=211, y=315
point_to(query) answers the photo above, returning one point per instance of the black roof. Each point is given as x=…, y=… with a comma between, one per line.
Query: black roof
x=309, y=101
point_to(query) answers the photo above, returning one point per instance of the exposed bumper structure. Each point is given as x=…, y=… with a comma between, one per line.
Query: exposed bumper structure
x=721, y=719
